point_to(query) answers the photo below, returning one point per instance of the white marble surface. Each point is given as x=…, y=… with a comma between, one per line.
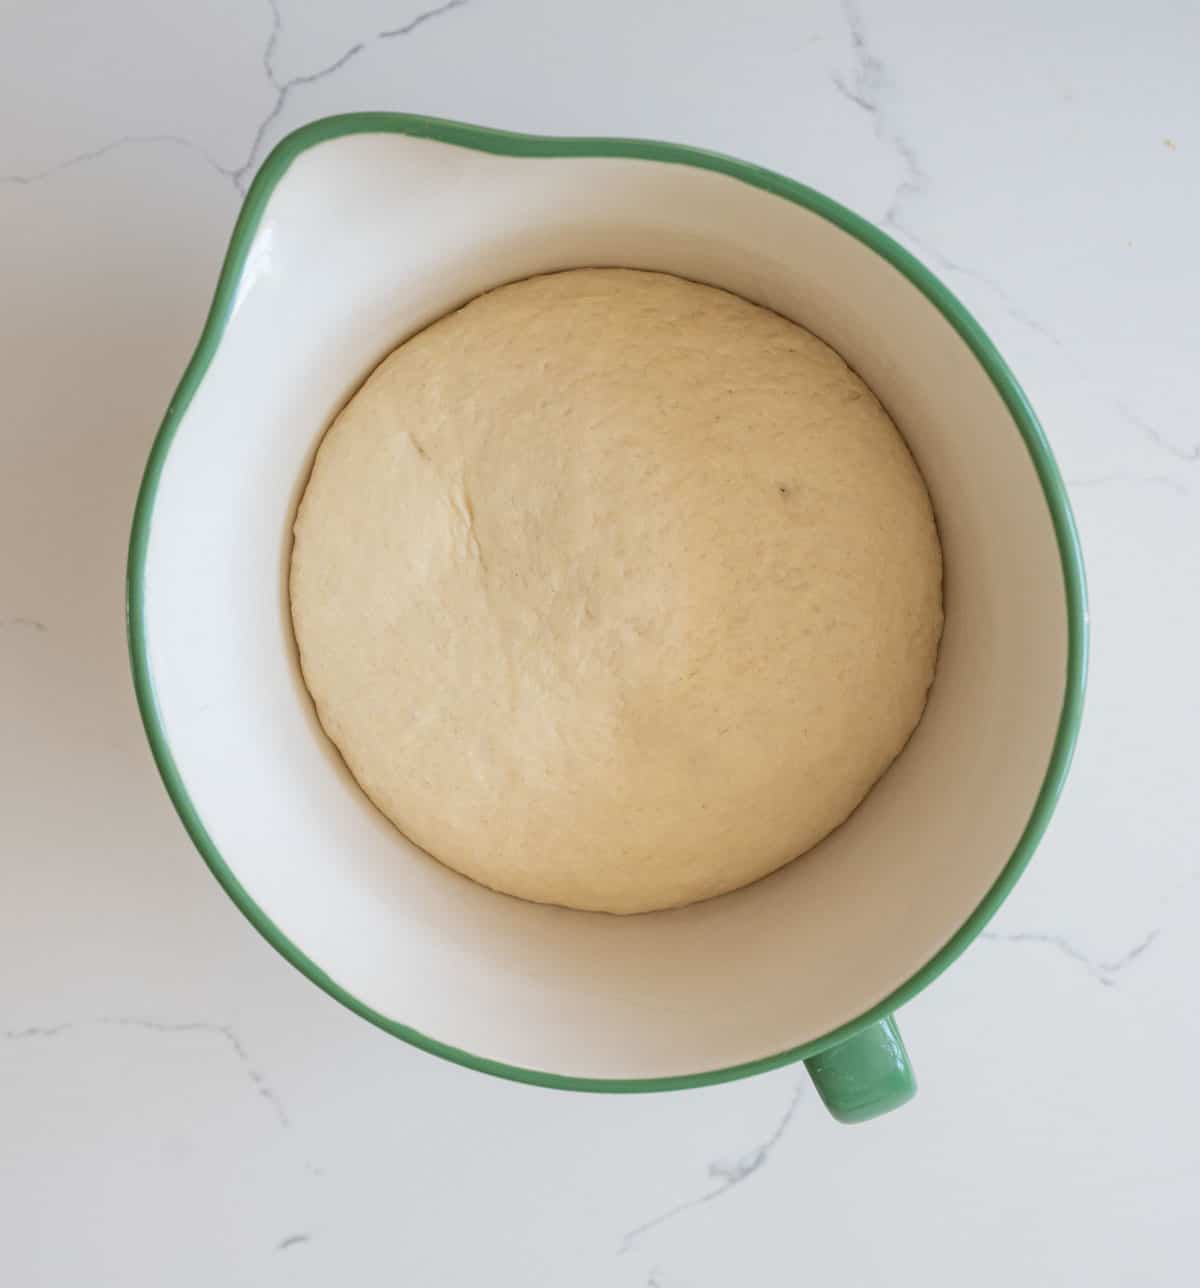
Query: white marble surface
x=177, y=1105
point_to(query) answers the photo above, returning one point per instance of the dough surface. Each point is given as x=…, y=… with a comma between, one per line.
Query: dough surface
x=614, y=590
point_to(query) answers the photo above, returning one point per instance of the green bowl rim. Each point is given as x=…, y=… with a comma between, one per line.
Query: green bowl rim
x=525, y=145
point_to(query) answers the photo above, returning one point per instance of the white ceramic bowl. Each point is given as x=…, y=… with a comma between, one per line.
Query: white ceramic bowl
x=357, y=232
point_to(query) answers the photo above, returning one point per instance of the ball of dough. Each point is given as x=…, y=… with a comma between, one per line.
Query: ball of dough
x=615, y=591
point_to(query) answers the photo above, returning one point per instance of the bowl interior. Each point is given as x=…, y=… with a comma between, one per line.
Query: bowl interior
x=367, y=238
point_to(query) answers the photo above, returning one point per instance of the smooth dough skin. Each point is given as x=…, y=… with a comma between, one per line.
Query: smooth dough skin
x=616, y=591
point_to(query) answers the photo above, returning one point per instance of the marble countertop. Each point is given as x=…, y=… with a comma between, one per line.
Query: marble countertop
x=177, y=1105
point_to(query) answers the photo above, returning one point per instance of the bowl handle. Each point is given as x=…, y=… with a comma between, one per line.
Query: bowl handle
x=866, y=1075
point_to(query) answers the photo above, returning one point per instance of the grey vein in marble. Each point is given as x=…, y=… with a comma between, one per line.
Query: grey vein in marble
x=35, y=1031
x=869, y=90
x=224, y=1031
x=1105, y=971
x=292, y=1241
x=285, y=88
x=125, y=141
x=29, y=623
x=1132, y=480
x=730, y=1175
x=239, y=174
x=421, y=19
x=1190, y=453
x=268, y=56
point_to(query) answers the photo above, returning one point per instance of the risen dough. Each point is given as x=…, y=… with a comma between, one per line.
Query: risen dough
x=615, y=591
